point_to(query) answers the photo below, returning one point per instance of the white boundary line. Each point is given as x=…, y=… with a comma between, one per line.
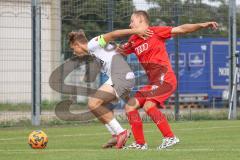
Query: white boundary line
x=104, y=150
x=105, y=133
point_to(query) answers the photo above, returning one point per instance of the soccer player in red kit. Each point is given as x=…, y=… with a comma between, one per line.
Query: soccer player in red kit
x=162, y=82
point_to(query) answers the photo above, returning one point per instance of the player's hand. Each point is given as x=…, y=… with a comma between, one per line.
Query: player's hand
x=123, y=47
x=144, y=32
x=120, y=49
x=213, y=25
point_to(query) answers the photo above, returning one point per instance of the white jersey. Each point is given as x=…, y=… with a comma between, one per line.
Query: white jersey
x=105, y=56
x=121, y=77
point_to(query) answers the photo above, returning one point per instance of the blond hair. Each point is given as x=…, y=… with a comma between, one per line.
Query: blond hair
x=144, y=14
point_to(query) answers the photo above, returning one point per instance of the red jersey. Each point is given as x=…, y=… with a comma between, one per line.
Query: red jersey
x=152, y=54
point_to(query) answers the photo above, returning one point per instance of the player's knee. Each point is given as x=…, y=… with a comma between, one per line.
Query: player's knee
x=93, y=103
x=129, y=108
x=131, y=105
x=148, y=105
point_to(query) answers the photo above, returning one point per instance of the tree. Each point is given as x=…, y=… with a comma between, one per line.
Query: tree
x=193, y=11
x=92, y=16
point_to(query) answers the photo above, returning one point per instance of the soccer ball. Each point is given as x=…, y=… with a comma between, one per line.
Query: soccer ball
x=37, y=139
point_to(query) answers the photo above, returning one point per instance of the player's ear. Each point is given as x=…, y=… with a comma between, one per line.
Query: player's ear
x=81, y=45
x=74, y=44
x=77, y=44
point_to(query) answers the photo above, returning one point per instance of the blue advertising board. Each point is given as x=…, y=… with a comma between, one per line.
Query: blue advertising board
x=207, y=67
x=220, y=64
x=192, y=75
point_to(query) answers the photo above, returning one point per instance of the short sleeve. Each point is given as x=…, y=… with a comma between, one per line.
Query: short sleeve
x=163, y=32
x=93, y=44
x=96, y=43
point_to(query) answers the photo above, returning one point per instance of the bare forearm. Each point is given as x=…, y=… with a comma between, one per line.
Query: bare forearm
x=118, y=34
x=189, y=28
x=124, y=32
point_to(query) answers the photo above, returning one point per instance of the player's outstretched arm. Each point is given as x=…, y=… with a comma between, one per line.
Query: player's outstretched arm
x=189, y=28
x=125, y=32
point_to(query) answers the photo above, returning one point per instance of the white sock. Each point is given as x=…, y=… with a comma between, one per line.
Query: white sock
x=110, y=129
x=116, y=127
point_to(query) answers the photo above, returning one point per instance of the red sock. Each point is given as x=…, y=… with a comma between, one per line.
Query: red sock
x=135, y=122
x=158, y=117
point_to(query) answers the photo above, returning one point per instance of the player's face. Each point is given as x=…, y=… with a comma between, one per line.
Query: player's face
x=135, y=21
x=77, y=48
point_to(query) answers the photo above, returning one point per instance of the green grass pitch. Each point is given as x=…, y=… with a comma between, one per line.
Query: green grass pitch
x=200, y=140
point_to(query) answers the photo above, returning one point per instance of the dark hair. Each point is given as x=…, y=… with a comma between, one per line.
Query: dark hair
x=77, y=36
x=144, y=14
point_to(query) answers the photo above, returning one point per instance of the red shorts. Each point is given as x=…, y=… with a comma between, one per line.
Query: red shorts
x=156, y=92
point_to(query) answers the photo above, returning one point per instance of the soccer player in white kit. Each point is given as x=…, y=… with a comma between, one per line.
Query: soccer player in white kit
x=119, y=84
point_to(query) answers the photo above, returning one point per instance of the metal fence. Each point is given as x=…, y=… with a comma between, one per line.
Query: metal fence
x=203, y=56
x=16, y=55
x=202, y=70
